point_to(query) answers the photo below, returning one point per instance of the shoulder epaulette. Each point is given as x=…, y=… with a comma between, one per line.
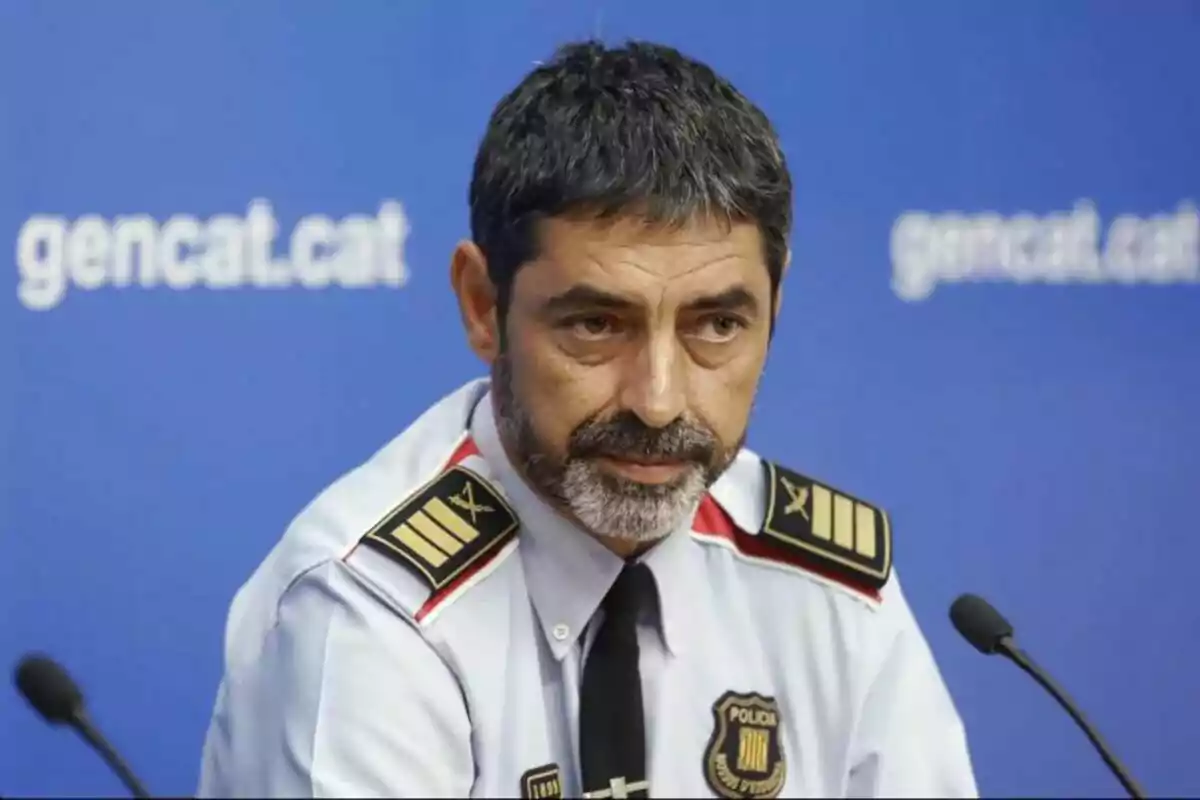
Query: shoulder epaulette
x=828, y=528
x=446, y=528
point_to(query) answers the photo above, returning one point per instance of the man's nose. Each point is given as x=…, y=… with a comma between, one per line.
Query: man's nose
x=654, y=384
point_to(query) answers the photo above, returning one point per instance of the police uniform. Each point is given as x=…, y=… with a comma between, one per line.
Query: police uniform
x=421, y=630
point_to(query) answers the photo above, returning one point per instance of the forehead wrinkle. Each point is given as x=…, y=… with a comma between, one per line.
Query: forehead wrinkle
x=717, y=261
x=656, y=298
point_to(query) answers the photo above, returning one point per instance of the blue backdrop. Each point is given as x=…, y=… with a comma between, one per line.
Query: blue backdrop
x=230, y=225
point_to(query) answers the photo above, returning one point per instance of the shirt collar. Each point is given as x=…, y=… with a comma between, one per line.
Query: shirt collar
x=678, y=573
x=568, y=572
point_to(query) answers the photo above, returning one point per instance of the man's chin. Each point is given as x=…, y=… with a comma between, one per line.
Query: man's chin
x=629, y=525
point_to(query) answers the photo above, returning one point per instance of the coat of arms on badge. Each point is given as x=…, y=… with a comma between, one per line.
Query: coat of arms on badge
x=744, y=758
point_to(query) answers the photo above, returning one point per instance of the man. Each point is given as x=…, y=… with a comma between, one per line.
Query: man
x=573, y=579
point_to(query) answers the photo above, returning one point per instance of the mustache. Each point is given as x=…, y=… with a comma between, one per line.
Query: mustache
x=625, y=435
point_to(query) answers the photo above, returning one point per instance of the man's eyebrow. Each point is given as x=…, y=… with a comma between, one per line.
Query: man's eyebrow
x=586, y=296
x=735, y=298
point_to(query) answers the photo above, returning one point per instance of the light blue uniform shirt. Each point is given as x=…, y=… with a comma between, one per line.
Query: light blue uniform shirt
x=347, y=674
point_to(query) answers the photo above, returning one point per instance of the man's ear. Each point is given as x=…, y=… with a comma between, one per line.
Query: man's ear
x=476, y=300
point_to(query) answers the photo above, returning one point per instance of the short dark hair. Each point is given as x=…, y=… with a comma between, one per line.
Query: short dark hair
x=639, y=129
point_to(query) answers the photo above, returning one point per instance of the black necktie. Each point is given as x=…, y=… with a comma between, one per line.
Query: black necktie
x=612, y=728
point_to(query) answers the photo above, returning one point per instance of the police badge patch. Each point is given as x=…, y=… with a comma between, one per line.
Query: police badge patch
x=744, y=758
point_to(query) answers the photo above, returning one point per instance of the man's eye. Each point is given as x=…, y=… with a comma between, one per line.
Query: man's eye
x=721, y=327
x=591, y=327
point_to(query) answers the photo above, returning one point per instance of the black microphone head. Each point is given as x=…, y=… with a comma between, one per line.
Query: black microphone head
x=980, y=624
x=49, y=689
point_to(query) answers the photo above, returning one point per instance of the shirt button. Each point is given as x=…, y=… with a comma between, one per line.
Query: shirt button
x=561, y=632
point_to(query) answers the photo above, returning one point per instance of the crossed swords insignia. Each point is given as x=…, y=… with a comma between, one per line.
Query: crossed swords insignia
x=797, y=498
x=466, y=501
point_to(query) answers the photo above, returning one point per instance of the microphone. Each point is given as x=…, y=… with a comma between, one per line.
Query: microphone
x=52, y=693
x=989, y=632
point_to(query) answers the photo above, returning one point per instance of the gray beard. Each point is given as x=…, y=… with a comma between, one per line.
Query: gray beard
x=604, y=504
x=626, y=510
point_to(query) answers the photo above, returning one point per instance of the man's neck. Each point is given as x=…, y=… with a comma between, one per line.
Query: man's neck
x=623, y=547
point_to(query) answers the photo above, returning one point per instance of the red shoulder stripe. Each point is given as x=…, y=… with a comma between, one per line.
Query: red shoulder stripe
x=465, y=450
x=712, y=521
